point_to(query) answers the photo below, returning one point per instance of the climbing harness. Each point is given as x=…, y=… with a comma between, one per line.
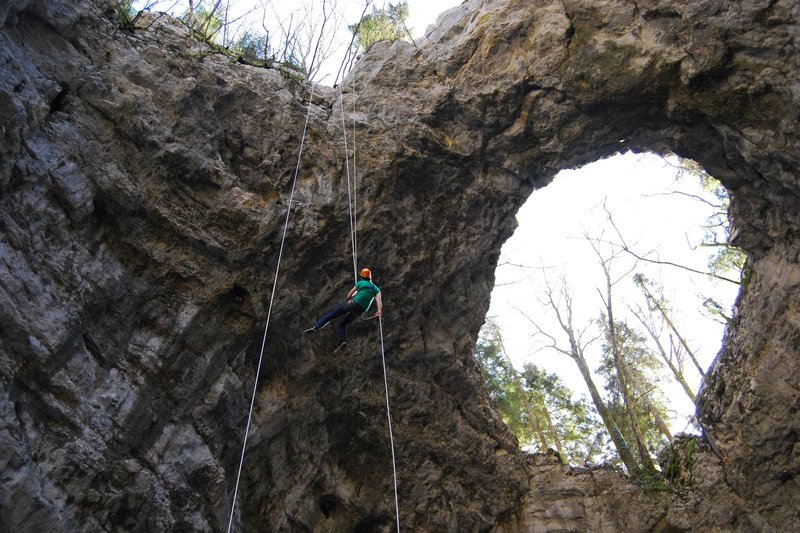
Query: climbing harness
x=269, y=310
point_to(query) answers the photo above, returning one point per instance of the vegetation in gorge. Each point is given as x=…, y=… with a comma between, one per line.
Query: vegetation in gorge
x=301, y=38
x=639, y=345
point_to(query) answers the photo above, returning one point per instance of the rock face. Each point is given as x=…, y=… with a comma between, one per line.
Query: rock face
x=144, y=183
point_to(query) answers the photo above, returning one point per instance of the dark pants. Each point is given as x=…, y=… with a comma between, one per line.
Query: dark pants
x=353, y=311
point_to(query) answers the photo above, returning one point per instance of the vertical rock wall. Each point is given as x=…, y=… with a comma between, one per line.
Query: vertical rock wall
x=144, y=182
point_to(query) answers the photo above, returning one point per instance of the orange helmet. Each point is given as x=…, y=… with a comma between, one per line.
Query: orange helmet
x=366, y=273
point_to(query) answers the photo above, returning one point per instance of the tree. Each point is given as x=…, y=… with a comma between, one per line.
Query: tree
x=536, y=406
x=253, y=48
x=578, y=435
x=717, y=273
x=129, y=12
x=320, y=36
x=536, y=400
x=639, y=367
x=387, y=24
x=613, y=347
x=561, y=306
x=286, y=45
x=506, y=388
x=672, y=355
x=728, y=261
x=718, y=226
x=655, y=303
x=301, y=40
x=204, y=21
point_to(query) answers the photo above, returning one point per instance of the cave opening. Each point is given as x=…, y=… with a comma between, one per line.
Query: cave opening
x=646, y=232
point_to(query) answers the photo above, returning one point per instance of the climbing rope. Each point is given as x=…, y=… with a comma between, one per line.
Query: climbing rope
x=391, y=435
x=349, y=194
x=353, y=235
x=355, y=175
x=269, y=310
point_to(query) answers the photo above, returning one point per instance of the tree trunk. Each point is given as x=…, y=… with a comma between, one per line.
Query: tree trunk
x=532, y=418
x=664, y=314
x=676, y=372
x=552, y=429
x=624, y=451
x=576, y=353
x=622, y=372
x=639, y=389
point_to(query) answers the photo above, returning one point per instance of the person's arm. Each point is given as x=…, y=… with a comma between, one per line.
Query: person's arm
x=379, y=304
x=351, y=293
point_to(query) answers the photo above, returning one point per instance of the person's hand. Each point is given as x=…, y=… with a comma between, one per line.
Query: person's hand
x=377, y=313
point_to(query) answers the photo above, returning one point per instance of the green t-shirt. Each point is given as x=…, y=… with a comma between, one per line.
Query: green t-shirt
x=365, y=294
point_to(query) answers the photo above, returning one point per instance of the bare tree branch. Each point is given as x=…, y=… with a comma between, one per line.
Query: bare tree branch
x=676, y=368
x=624, y=247
x=689, y=195
x=350, y=54
x=519, y=265
x=682, y=267
x=539, y=331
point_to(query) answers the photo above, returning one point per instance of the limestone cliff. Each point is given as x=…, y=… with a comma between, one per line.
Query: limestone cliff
x=144, y=181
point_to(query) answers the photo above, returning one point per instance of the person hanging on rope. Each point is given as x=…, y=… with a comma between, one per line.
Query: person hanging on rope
x=359, y=300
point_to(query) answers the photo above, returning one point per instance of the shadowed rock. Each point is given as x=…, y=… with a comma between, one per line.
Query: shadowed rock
x=144, y=182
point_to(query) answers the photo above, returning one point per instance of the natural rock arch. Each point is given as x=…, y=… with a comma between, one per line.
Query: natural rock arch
x=550, y=85
x=152, y=175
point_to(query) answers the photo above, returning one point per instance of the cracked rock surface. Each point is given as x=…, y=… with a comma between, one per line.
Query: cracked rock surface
x=144, y=184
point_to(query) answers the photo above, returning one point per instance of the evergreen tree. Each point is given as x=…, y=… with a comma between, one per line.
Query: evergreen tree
x=581, y=436
x=387, y=24
x=641, y=378
x=253, y=48
x=506, y=389
x=206, y=23
x=539, y=409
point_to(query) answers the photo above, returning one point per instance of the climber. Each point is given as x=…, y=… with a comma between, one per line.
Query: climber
x=359, y=300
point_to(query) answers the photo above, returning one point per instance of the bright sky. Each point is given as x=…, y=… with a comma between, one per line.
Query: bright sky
x=422, y=13
x=550, y=233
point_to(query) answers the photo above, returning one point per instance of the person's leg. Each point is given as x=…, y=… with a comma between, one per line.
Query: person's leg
x=342, y=309
x=355, y=312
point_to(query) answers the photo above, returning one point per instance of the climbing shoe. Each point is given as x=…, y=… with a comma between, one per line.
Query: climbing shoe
x=312, y=329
